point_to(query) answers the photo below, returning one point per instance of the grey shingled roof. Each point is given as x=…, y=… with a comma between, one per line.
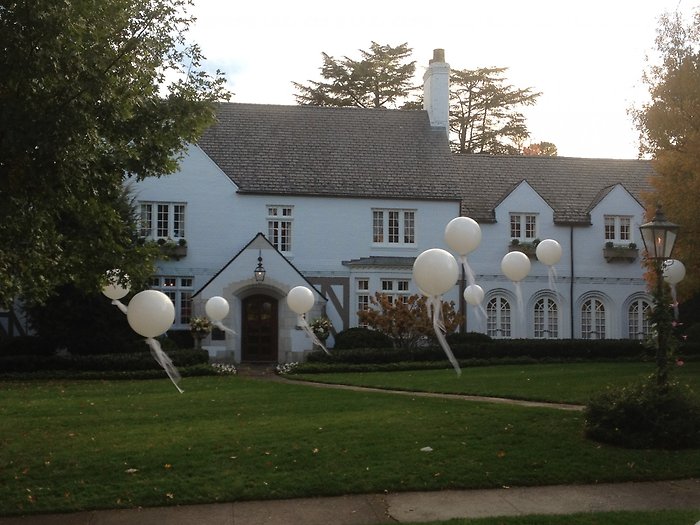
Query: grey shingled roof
x=353, y=152
x=346, y=152
x=571, y=186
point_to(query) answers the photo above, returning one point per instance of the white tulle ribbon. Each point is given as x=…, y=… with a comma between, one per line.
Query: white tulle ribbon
x=120, y=305
x=434, y=305
x=674, y=296
x=305, y=326
x=467, y=270
x=552, y=273
x=164, y=361
x=223, y=328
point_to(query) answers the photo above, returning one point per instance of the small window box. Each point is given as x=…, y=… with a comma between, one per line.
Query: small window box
x=620, y=253
x=528, y=248
x=170, y=249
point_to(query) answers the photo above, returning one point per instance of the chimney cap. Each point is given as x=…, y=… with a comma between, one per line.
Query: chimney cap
x=438, y=56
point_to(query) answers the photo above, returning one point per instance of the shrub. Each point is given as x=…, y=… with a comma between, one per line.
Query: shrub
x=468, y=338
x=361, y=338
x=645, y=416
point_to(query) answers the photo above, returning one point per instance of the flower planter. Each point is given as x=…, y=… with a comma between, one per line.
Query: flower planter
x=620, y=254
x=527, y=248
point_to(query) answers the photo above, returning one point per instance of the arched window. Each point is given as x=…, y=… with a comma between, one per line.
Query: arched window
x=593, y=319
x=498, y=311
x=546, y=318
x=638, y=319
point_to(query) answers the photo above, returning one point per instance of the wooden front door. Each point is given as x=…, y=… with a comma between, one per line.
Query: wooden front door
x=259, y=338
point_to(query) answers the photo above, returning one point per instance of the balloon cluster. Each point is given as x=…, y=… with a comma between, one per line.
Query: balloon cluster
x=150, y=313
x=300, y=300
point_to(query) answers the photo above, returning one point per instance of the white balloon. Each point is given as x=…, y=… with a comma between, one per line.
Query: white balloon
x=216, y=308
x=515, y=265
x=151, y=313
x=463, y=235
x=113, y=289
x=548, y=252
x=674, y=271
x=300, y=299
x=474, y=294
x=435, y=271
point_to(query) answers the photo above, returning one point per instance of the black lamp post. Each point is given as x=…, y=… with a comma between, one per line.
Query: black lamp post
x=259, y=271
x=659, y=237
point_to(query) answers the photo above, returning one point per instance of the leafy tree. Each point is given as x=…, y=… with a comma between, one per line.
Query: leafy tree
x=406, y=323
x=669, y=130
x=484, y=114
x=380, y=79
x=540, y=149
x=91, y=93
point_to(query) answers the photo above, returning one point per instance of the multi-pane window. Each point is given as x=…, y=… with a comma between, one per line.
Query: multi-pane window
x=638, y=319
x=179, y=290
x=546, y=319
x=593, y=319
x=498, y=312
x=523, y=226
x=395, y=289
x=618, y=228
x=393, y=226
x=279, y=227
x=162, y=220
x=362, y=289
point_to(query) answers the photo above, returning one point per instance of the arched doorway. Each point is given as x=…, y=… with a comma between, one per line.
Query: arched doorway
x=259, y=324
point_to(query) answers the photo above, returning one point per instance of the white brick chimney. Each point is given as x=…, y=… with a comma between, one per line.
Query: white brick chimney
x=436, y=91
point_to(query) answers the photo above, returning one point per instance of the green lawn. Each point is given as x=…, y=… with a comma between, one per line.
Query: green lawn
x=69, y=445
x=674, y=517
x=565, y=383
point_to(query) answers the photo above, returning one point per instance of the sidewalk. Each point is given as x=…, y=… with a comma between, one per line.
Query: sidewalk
x=407, y=507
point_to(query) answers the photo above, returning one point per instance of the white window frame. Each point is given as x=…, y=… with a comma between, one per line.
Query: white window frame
x=638, y=322
x=618, y=229
x=395, y=289
x=162, y=220
x=499, y=322
x=179, y=288
x=593, y=319
x=546, y=318
x=523, y=226
x=280, y=220
x=393, y=227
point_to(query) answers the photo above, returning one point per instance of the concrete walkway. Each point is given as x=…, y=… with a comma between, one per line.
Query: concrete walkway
x=407, y=507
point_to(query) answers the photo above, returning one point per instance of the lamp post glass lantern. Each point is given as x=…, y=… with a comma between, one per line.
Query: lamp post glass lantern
x=259, y=271
x=659, y=238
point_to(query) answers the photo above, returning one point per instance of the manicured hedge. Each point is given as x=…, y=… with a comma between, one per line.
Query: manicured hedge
x=101, y=362
x=485, y=349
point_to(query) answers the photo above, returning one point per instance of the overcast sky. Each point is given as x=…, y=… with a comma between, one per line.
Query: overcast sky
x=586, y=58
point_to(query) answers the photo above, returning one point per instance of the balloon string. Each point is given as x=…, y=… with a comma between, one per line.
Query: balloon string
x=119, y=304
x=467, y=270
x=674, y=296
x=164, y=361
x=435, y=308
x=552, y=272
x=223, y=328
x=305, y=326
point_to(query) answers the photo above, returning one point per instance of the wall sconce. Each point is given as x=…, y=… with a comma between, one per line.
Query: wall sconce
x=259, y=271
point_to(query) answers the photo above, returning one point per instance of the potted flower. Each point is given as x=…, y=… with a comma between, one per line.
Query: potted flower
x=200, y=327
x=321, y=327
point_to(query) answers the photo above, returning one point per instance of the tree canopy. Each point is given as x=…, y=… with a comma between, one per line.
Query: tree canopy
x=91, y=93
x=669, y=128
x=381, y=78
x=484, y=112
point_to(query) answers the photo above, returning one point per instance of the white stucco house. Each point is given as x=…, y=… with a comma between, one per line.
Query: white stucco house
x=342, y=200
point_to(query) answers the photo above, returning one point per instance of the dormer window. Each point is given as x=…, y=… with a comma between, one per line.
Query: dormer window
x=523, y=226
x=618, y=229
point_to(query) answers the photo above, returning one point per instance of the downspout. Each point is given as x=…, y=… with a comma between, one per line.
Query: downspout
x=571, y=283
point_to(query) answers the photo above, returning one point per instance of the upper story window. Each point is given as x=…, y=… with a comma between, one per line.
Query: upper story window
x=618, y=228
x=523, y=226
x=162, y=220
x=393, y=226
x=279, y=227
